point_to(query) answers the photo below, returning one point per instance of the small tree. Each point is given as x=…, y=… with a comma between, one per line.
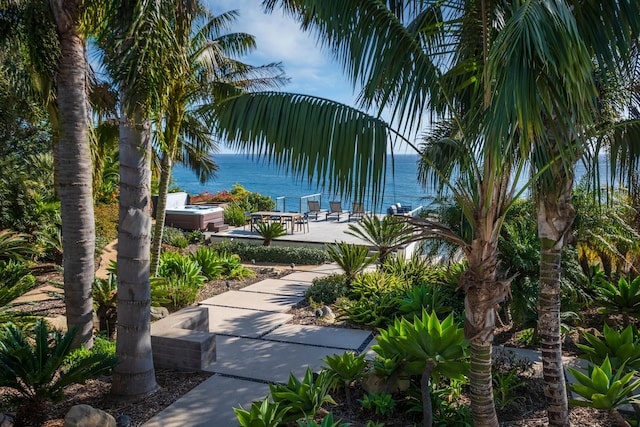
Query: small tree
x=270, y=231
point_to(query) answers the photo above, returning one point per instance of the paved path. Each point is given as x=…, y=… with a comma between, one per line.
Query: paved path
x=255, y=346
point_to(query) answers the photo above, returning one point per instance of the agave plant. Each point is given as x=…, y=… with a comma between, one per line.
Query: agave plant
x=353, y=259
x=620, y=347
x=261, y=414
x=303, y=397
x=603, y=389
x=270, y=231
x=425, y=347
x=344, y=370
x=209, y=262
x=623, y=298
x=385, y=234
x=327, y=421
x=37, y=372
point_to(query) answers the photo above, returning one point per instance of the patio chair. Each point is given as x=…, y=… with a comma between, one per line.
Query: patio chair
x=303, y=222
x=314, y=209
x=357, y=211
x=336, y=210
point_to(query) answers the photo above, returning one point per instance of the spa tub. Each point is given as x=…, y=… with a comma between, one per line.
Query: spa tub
x=194, y=217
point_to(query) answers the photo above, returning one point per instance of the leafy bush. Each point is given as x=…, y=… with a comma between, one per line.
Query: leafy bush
x=276, y=254
x=351, y=258
x=38, y=373
x=381, y=403
x=417, y=298
x=178, y=282
x=106, y=216
x=344, y=370
x=174, y=237
x=101, y=346
x=15, y=280
x=234, y=215
x=196, y=236
x=105, y=303
x=327, y=421
x=14, y=246
x=209, y=262
x=326, y=289
x=376, y=283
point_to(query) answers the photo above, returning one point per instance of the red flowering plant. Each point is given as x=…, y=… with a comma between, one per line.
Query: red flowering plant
x=221, y=197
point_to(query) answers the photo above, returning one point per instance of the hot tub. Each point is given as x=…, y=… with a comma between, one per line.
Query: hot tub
x=194, y=217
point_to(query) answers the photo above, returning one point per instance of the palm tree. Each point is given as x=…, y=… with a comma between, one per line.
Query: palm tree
x=131, y=61
x=414, y=56
x=57, y=48
x=384, y=234
x=200, y=69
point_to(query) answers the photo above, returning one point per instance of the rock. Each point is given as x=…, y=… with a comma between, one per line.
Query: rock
x=6, y=420
x=87, y=416
x=374, y=383
x=158, y=313
x=123, y=421
x=327, y=314
x=272, y=271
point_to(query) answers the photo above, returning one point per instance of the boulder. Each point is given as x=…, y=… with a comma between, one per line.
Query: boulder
x=123, y=421
x=374, y=383
x=158, y=313
x=87, y=416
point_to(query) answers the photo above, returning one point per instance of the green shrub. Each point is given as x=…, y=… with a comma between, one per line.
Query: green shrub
x=101, y=346
x=36, y=368
x=378, y=310
x=263, y=413
x=196, y=236
x=209, y=262
x=14, y=246
x=174, y=237
x=234, y=215
x=15, y=280
x=326, y=289
x=106, y=216
x=376, y=283
x=178, y=282
x=621, y=298
x=381, y=403
x=302, y=397
x=622, y=348
x=344, y=370
x=275, y=254
x=353, y=259
x=417, y=298
x=327, y=421
x=105, y=303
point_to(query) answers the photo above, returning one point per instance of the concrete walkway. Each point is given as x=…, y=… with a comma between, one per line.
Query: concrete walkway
x=255, y=346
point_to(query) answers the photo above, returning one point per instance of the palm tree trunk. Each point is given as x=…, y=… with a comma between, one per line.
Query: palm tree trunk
x=555, y=216
x=134, y=376
x=75, y=178
x=161, y=209
x=481, y=384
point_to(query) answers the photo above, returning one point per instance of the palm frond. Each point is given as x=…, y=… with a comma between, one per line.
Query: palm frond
x=340, y=148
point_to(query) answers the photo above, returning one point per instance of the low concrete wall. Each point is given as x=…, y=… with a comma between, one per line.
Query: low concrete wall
x=182, y=340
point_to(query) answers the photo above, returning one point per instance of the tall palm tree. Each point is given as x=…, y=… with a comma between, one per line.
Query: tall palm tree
x=51, y=35
x=200, y=69
x=411, y=57
x=132, y=62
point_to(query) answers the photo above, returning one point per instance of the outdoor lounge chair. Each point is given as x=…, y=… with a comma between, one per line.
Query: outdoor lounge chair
x=314, y=210
x=357, y=211
x=336, y=210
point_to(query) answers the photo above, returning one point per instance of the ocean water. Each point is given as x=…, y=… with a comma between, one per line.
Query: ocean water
x=260, y=177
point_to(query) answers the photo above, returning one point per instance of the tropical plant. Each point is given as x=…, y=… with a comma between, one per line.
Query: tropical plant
x=15, y=280
x=353, y=259
x=425, y=347
x=414, y=270
x=302, y=397
x=279, y=254
x=196, y=237
x=37, y=372
x=327, y=421
x=417, y=298
x=123, y=52
x=270, y=231
x=381, y=403
x=14, y=246
x=234, y=215
x=105, y=301
x=209, y=261
x=200, y=67
x=418, y=56
x=344, y=370
x=261, y=414
x=622, y=348
x=232, y=268
x=505, y=387
x=326, y=289
x=623, y=298
x=384, y=234
x=604, y=388
x=174, y=237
